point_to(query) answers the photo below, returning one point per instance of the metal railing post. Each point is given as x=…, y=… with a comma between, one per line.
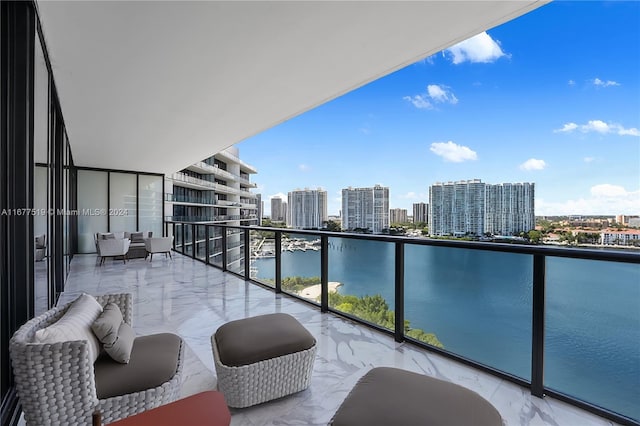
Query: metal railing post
x=247, y=256
x=194, y=239
x=537, y=325
x=324, y=273
x=278, y=248
x=223, y=232
x=206, y=244
x=399, y=292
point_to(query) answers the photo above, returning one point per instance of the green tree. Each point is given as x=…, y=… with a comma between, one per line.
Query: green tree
x=534, y=236
x=332, y=225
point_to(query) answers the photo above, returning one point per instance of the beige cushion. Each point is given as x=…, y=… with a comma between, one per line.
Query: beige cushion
x=120, y=350
x=75, y=324
x=107, y=324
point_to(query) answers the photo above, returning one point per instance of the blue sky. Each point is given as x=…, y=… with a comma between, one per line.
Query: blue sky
x=552, y=97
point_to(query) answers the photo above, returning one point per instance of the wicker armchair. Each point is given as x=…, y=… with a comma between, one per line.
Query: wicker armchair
x=56, y=382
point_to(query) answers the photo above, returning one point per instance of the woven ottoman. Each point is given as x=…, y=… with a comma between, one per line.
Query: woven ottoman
x=262, y=358
x=390, y=396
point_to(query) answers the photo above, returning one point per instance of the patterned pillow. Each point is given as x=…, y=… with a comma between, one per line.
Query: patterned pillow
x=75, y=324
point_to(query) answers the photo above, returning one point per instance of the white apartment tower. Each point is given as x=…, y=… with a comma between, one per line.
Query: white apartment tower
x=307, y=208
x=215, y=190
x=420, y=212
x=398, y=216
x=471, y=207
x=278, y=210
x=510, y=208
x=365, y=208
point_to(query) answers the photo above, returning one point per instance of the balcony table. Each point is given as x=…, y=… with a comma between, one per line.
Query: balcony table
x=203, y=409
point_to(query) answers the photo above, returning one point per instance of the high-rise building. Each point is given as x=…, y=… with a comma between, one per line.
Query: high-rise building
x=509, y=208
x=307, y=208
x=365, y=208
x=260, y=205
x=398, y=216
x=473, y=208
x=216, y=189
x=420, y=213
x=278, y=210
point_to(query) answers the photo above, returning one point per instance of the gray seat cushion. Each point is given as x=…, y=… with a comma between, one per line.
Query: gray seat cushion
x=154, y=361
x=390, y=396
x=255, y=339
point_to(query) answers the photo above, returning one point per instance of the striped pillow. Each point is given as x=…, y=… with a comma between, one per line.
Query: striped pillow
x=75, y=324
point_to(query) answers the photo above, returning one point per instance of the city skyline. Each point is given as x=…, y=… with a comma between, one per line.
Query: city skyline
x=551, y=97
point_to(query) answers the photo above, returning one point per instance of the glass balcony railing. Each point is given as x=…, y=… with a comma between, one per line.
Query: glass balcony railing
x=563, y=322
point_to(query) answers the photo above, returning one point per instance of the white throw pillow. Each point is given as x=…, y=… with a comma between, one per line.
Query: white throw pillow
x=75, y=324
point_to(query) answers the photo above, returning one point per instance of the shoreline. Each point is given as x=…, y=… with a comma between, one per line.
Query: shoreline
x=313, y=292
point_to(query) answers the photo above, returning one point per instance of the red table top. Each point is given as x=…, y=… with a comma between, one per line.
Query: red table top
x=202, y=409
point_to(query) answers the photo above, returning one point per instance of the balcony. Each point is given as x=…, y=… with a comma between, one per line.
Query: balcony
x=204, y=168
x=528, y=315
x=204, y=298
x=243, y=166
x=184, y=180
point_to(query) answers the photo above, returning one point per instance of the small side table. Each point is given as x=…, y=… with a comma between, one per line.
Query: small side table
x=202, y=409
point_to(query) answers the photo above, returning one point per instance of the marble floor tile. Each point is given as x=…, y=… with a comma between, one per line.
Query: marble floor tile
x=191, y=299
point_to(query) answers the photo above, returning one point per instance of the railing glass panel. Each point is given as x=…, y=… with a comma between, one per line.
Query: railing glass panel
x=477, y=303
x=592, y=332
x=178, y=236
x=363, y=274
x=201, y=243
x=188, y=239
x=215, y=245
x=235, y=250
x=300, y=267
x=263, y=257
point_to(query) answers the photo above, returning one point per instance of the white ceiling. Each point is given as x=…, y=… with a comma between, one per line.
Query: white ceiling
x=157, y=85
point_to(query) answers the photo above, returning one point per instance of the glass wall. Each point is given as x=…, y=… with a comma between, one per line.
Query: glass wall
x=592, y=332
x=362, y=279
x=235, y=250
x=110, y=202
x=122, y=201
x=150, y=204
x=474, y=303
x=41, y=181
x=93, y=204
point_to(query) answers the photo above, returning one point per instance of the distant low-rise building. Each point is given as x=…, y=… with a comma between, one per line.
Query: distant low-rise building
x=611, y=237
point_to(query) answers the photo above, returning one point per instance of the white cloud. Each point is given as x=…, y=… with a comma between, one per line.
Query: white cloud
x=571, y=83
x=419, y=102
x=568, y=127
x=533, y=164
x=601, y=83
x=605, y=199
x=453, y=152
x=608, y=190
x=480, y=48
x=601, y=127
x=441, y=94
x=589, y=159
x=435, y=93
x=304, y=167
